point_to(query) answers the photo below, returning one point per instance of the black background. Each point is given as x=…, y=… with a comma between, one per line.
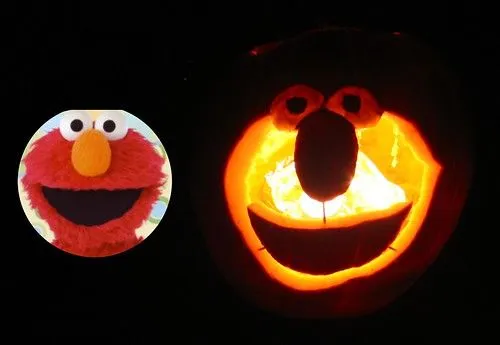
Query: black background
x=147, y=60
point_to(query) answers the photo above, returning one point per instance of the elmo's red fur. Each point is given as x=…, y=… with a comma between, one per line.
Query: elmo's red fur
x=135, y=164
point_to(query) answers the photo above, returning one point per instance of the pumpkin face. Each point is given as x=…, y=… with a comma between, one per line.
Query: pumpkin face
x=335, y=195
x=310, y=242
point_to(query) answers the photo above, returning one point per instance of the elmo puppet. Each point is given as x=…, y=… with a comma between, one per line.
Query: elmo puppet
x=94, y=181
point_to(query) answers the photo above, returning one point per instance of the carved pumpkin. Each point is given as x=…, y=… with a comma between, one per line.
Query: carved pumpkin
x=337, y=170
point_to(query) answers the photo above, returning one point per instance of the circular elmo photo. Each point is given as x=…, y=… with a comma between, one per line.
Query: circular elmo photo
x=94, y=183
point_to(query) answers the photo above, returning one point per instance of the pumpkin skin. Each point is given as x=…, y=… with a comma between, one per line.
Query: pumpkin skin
x=407, y=85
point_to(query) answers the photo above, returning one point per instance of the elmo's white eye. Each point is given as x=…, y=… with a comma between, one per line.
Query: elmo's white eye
x=113, y=124
x=73, y=123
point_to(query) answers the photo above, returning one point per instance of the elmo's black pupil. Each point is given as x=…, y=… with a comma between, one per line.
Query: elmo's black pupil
x=76, y=125
x=351, y=103
x=109, y=126
x=296, y=105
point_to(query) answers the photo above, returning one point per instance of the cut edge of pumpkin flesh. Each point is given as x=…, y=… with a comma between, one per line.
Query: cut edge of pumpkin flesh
x=274, y=216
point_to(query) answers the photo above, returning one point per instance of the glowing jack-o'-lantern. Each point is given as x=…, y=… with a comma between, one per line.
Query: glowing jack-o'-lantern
x=345, y=188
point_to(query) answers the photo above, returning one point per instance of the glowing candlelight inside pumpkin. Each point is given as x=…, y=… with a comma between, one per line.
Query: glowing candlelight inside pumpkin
x=369, y=191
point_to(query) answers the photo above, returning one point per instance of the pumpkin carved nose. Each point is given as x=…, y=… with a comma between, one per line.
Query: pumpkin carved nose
x=326, y=150
x=91, y=154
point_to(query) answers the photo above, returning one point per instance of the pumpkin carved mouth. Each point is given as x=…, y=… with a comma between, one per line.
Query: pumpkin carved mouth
x=305, y=251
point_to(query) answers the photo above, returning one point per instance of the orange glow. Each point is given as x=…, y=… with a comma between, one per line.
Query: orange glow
x=394, y=167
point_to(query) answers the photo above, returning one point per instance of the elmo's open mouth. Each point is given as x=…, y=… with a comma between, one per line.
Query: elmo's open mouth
x=91, y=207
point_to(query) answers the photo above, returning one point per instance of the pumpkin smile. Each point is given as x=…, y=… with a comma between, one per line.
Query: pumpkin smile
x=91, y=207
x=305, y=251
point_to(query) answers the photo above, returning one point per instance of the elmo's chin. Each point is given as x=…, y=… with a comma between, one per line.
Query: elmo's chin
x=94, y=216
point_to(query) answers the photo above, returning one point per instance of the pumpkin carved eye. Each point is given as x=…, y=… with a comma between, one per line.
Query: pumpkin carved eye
x=296, y=105
x=293, y=104
x=357, y=105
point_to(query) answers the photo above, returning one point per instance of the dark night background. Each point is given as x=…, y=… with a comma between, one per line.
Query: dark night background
x=147, y=60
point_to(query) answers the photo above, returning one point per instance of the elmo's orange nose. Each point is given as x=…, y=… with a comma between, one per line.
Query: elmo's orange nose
x=91, y=154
